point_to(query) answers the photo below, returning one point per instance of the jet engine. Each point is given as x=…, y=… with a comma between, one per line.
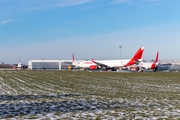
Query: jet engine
x=93, y=67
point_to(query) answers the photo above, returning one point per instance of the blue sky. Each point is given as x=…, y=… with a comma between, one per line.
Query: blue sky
x=54, y=29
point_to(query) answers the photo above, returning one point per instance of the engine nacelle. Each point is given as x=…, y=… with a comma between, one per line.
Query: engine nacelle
x=93, y=67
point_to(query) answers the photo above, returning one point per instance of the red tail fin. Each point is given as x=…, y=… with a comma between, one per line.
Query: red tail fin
x=155, y=63
x=157, y=55
x=137, y=55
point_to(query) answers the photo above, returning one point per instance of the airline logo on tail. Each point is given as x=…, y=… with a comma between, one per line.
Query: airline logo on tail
x=137, y=56
x=155, y=63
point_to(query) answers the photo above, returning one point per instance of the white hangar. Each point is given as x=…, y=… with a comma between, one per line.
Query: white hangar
x=49, y=64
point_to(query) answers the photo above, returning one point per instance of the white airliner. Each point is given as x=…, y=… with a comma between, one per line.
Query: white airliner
x=142, y=65
x=19, y=64
x=112, y=64
x=75, y=63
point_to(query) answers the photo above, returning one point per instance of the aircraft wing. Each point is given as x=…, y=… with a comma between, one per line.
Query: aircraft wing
x=100, y=64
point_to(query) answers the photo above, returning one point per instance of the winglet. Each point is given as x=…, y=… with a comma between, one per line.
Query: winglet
x=93, y=61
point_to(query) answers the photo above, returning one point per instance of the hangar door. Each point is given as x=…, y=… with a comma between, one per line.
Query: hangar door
x=45, y=65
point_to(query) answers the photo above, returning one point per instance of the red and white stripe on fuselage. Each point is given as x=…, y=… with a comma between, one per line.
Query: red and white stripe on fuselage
x=86, y=64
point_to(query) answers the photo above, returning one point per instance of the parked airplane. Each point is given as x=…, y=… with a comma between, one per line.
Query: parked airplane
x=142, y=65
x=112, y=64
x=75, y=63
x=21, y=66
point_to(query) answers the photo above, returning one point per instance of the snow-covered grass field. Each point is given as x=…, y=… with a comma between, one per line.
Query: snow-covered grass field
x=89, y=95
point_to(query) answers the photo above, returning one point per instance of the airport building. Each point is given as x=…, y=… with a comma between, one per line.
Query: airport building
x=49, y=64
x=170, y=65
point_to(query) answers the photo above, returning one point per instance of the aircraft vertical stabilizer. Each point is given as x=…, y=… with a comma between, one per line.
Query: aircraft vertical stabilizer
x=73, y=57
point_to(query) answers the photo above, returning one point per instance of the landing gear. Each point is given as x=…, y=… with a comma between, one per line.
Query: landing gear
x=137, y=68
x=109, y=69
x=140, y=70
x=154, y=70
